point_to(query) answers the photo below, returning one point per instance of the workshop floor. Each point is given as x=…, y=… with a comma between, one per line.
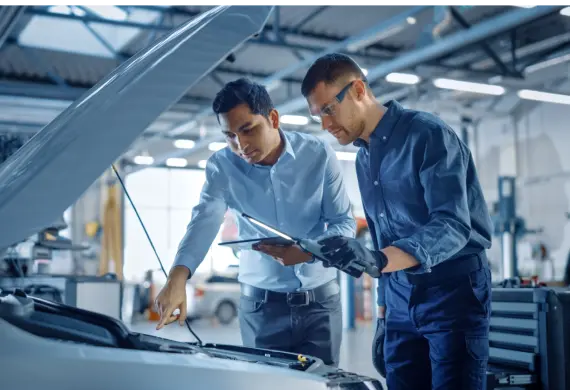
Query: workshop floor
x=355, y=350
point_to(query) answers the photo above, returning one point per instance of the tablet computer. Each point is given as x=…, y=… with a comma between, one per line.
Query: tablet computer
x=248, y=244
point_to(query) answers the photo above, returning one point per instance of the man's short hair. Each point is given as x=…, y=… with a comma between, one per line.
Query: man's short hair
x=329, y=69
x=243, y=91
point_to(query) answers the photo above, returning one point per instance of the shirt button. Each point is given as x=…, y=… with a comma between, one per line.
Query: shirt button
x=384, y=138
x=381, y=215
x=375, y=183
x=278, y=199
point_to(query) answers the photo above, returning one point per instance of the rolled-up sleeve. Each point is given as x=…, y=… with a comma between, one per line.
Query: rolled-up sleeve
x=205, y=221
x=443, y=178
x=336, y=210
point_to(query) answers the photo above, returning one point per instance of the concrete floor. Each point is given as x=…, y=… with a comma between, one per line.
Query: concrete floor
x=355, y=353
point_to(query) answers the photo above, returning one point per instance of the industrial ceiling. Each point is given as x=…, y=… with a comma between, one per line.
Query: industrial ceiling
x=422, y=56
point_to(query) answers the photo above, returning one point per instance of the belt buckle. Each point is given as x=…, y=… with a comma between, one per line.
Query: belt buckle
x=300, y=298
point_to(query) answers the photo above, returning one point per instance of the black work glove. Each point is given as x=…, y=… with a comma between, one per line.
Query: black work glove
x=378, y=348
x=340, y=251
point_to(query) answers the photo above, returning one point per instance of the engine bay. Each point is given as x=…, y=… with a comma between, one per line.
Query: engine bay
x=67, y=324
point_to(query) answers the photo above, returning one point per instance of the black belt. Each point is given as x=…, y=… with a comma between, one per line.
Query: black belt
x=449, y=269
x=297, y=298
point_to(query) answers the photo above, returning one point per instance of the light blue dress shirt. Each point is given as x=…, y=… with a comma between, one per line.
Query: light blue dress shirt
x=303, y=195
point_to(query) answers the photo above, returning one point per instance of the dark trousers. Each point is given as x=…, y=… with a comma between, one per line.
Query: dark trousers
x=437, y=327
x=312, y=329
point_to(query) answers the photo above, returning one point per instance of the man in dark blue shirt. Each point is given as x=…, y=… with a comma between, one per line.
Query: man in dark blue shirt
x=430, y=227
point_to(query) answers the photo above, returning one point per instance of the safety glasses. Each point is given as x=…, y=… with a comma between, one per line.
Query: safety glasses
x=329, y=109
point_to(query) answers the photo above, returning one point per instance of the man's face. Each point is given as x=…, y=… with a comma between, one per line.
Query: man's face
x=338, y=110
x=250, y=136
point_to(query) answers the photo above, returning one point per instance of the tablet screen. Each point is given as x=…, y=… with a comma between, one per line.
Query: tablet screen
x=247, y=244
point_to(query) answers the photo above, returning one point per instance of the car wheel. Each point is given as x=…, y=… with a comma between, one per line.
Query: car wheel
x=226, y=312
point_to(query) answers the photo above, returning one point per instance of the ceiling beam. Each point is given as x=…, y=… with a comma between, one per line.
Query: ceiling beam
x=479, y=32
x=11, y=17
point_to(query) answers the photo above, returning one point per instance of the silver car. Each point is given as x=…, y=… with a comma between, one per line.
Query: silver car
x=215, y=297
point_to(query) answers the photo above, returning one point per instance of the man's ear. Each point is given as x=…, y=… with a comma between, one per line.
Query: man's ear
x=359, y=89
x=274, y=118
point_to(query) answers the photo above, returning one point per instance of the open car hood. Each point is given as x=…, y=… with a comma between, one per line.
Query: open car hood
x=71, y=348
x=51, y=171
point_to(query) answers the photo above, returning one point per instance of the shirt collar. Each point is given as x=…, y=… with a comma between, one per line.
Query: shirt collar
x=385, y=127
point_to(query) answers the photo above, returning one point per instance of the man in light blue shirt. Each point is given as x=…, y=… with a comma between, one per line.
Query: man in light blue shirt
x=289, y=180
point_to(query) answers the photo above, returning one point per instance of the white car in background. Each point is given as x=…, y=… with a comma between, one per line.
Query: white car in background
x=216, y=297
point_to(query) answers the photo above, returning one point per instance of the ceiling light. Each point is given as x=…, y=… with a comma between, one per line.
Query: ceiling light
x=215, y=146
x=547, y=63
x=465, y=86
x=107, y=11
x=143, y=160
x=59, y=9
x=411, y=20
x=565, y=11
x=525, y=6
x=272, y=86
x=346, y=156
x=184, y=143
x=402, y=78
x=528, y=94
x=176, y=162
x=202, y=164
x=77, y=11
x=298, y=120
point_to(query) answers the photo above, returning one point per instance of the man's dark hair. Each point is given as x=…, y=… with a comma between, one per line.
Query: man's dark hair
x=243, y=91
x=329, y=69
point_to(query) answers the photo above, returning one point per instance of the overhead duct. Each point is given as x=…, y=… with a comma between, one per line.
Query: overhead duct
x=60, y=162
x=448, y=44
x=444, y=46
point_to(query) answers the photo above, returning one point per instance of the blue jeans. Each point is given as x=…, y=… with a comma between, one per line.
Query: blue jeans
x=314, y=329
x=437, y=331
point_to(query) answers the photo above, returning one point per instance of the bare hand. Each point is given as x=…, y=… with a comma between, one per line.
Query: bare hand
x=172, y=297
x=285, y=255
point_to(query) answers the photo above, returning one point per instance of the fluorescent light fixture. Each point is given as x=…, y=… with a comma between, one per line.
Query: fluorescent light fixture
x=346, y=156
x=547, y=97
x=565, y=11
x=411, y=20
x=77, y=11
x=202, y=164
x=176, y=162
x=215, y=146
x=143, y=160
x=466, y=86
x=59, y=9
x=107, y=11
x=298, y=120
x=273, y=85
x=184, y=143
x=402, y=78
x=547, y=63
x=524, y=6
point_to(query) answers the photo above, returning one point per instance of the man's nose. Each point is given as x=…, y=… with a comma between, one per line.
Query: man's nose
x=326, y=122
x=241, y=143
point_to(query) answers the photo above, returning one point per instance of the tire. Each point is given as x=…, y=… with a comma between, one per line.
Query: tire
x=226, y=312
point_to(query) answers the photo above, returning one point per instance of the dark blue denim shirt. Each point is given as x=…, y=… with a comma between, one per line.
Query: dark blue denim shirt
x=420, y=190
